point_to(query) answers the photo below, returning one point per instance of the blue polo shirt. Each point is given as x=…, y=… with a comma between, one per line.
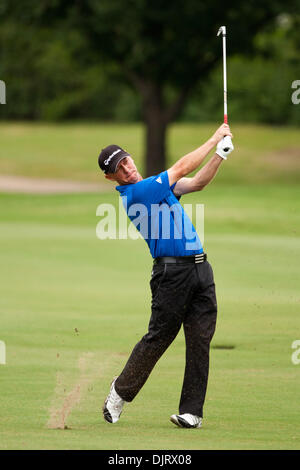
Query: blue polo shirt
x=160, y=218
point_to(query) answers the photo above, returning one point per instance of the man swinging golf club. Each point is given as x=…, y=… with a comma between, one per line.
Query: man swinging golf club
x=182, y=283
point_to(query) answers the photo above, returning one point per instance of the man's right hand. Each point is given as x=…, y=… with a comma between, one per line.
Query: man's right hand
x=223, y=130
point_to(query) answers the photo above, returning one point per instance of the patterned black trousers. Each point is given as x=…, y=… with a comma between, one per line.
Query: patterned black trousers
x=181, y=295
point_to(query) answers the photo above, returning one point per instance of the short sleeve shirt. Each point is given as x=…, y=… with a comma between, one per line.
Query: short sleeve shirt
x=157, y=213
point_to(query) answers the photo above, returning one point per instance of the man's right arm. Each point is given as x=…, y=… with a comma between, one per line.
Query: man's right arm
x=188, y=163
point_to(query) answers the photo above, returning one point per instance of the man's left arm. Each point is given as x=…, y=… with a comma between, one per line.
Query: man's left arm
x=201, y=179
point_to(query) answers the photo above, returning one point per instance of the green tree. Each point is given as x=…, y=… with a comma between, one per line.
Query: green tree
x=162, y=49
x=259, y=86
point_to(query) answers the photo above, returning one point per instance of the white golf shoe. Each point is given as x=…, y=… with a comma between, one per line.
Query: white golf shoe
x=187, y=420
x=113, y=405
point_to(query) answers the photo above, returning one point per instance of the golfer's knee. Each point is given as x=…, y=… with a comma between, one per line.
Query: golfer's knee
x=162, y=337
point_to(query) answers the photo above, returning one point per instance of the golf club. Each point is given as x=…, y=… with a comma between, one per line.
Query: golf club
x=227, y=144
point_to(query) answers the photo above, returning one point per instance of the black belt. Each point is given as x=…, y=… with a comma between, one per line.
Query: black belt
x=200, y=258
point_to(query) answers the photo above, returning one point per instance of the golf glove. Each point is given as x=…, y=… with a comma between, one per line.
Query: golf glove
x=224, y=147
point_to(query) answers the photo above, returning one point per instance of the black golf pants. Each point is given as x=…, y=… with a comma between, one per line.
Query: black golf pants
x=182, y=294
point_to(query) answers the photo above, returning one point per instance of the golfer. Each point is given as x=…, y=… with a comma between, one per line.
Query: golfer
x=182, y=282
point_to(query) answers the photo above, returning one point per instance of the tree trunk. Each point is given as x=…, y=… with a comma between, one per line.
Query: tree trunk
x=155, y=145
x=155, y=122
x=156, y=118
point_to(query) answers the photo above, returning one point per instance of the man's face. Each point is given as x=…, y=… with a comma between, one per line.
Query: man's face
x=126, y=172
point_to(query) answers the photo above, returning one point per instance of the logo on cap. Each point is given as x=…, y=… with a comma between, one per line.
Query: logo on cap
x=106, y=162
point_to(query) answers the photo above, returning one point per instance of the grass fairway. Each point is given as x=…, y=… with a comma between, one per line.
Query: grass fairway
x=69, y=151
x=72, y=307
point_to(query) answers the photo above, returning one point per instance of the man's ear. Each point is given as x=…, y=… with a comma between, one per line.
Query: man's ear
x=109, y=176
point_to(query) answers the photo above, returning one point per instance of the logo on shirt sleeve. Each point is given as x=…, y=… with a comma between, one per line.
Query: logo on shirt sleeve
x=159, y=180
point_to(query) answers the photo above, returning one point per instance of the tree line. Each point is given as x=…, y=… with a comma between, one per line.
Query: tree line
x=156, y=63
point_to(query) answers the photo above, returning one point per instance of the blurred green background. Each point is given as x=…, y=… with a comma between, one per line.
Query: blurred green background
x=50, y=76
x=80, y=76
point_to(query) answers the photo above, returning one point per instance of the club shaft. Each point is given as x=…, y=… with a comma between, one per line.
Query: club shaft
x=225, y=78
